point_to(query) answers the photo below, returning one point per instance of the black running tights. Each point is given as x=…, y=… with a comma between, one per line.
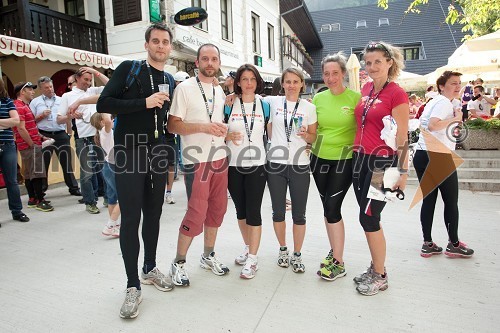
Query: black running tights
x=444, y=168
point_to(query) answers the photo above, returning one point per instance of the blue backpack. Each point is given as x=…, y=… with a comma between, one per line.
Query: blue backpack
x=266, y=108
x=134, y=72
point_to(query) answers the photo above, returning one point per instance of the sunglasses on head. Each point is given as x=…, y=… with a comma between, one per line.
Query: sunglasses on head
x=44, y=79
x=378, y=46
x=26, y=84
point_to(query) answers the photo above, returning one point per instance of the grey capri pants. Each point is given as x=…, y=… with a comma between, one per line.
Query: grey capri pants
x=297, y=179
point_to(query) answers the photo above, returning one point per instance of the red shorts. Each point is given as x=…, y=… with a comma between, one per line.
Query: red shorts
x=207, y=204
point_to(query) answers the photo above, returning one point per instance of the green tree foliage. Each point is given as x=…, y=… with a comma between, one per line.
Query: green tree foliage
x=479, y=17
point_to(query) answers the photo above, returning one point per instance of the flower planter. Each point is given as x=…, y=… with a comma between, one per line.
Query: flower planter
x=482, y=139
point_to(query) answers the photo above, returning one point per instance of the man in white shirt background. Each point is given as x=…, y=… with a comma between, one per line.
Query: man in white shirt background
x=480, y=105
x=45, y=108
x=79, y=104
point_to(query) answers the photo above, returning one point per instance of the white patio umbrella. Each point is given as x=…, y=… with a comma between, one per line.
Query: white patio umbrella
x=487, y=42
x=353, y=67
x=473, y=60
x=411, y=81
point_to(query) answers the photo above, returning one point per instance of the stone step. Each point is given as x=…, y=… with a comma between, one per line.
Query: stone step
x=480, y=163
x=478, y=153
x=476, y=185
x=472, y=173
x=479, y=173
x=479, y=185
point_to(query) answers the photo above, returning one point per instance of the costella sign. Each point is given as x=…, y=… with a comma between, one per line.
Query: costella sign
x=31, y=49
x=190, y=16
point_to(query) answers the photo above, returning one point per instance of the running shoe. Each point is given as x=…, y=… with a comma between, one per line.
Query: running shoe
x=213, y=263
x=108, y=231
x=297, y=265
x=429, y=249
x=373, y=284
x=130, y=307
x=328, y=259
x=250, y=268
x=44, y=206
x=242, y=258
x=332, y=272
x=461, y=251
x=178, y=274
x=283, y=258
x=363, y=276
x=169, y=198
x=158, y=279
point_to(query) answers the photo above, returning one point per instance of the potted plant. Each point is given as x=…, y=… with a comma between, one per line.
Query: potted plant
x=481, y=134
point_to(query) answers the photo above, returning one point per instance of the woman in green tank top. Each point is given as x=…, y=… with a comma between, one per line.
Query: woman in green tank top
x=331, y=158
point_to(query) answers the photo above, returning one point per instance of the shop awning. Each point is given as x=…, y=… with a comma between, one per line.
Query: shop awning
x=31, y=49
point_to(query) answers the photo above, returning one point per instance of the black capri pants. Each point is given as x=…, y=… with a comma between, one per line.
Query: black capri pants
x=333, y=179
x=369, y=209
x=246, y=186
x=444, y=179
x=297, y=178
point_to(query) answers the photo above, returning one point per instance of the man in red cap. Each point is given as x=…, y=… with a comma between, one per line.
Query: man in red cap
x=29, y=144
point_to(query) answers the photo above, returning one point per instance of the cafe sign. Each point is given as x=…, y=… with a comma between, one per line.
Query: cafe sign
x=190, y=16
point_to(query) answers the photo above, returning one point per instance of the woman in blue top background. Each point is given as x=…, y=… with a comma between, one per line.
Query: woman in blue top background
x=8, y=153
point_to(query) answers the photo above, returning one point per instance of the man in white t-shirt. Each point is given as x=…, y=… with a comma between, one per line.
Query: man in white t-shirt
x=480, y=105
x=197, y=115
x=79, y=104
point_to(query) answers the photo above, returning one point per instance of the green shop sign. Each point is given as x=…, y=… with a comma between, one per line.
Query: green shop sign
x=154, y=11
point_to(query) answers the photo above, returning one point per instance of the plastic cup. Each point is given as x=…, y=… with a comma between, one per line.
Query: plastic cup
x=163, y=88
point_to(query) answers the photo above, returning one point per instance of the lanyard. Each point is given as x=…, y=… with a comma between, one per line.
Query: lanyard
x=205, y=98
x=288, y=127
x=369, y=104
x=152, y=92
x=45, y=102
x=249, y=131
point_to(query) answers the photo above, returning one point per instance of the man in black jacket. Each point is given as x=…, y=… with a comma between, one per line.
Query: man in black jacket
x=141, y=159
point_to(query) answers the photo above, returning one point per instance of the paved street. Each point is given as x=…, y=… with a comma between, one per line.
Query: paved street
x=58, y=274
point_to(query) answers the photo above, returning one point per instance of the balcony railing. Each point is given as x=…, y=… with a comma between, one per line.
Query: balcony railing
x=37, y=23
x=296, y=52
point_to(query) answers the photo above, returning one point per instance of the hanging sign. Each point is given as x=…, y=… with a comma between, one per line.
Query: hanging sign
x=190, y=16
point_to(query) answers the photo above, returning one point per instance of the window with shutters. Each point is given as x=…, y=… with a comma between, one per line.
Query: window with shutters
x=255, y=33
x=226, y=19
x=270, y=41
x=126, y=11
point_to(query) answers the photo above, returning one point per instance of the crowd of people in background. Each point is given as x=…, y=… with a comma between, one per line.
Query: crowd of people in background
x=229, y=137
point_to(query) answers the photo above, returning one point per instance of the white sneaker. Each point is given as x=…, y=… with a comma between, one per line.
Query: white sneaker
x=250, y=268
x=179, y=274
x=297, y=265
x=116, y=231
x=169, y=198
x=242, y=258
x=283, y=259
x=213, y=263
x=108, y=231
